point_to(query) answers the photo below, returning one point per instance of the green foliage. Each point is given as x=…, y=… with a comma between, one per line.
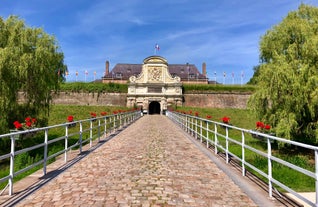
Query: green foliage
x=203, y=88
x=287, y=93
x=30, y=61
x=94, y=87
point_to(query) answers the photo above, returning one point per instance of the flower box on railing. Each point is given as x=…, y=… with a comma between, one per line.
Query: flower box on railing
x=26, y=134
x=261, y=137
x=71, y=125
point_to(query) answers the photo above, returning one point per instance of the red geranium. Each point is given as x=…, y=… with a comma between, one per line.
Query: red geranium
x=226, y=119
x=103, y=113
x=267, y=127
x=70, y=118
x=196, y=113
x=17, y=125
x=93, y=114
x=208, y=117
x=260, y=125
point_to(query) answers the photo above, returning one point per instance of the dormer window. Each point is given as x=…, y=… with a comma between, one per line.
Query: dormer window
x=119, y=75
x=192, y=76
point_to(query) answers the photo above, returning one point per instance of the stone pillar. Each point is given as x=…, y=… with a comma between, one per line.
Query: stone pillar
x=204, y=69
x=107, y=68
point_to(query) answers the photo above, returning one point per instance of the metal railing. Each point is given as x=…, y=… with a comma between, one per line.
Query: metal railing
x=216, y=135
x=80, y=132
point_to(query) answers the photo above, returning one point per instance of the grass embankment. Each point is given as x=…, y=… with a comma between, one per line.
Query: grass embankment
x=245, y=119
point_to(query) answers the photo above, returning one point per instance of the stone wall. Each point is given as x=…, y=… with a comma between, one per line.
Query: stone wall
x=95, y=99
x=217, y=100
x=211, y=100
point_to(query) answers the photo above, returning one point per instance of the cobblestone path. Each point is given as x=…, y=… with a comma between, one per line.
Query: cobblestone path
x=151, y=163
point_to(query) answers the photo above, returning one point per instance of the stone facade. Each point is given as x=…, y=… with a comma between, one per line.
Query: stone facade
x=211, y=100
x=154, y=89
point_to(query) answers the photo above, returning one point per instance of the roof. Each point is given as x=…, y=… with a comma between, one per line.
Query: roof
x=184, y=71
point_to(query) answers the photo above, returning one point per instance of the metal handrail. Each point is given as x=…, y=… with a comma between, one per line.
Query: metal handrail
x=97, y=127
x=195, y=126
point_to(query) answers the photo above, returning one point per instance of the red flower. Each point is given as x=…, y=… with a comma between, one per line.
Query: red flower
x=93, y=114
x=208, y=117
x=260, y=125
x=70, y=118
x=28, y=119
x=17, y=125
x=267, y=127
x=226, y=119
x=190, y=112
x=115, y=112
x=196, y=113
x=103, y=113
x=34, y=120
x=28, y=124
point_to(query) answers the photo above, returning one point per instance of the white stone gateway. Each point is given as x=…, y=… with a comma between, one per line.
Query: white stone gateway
x=154, y=89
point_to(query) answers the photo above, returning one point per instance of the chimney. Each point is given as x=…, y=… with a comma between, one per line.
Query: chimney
x=204, y=69
x=107, y=68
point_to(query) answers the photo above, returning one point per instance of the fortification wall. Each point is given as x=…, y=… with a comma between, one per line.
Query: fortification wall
x=211, y=100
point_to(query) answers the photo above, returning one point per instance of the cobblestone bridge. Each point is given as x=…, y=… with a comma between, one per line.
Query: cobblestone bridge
x=150, y=163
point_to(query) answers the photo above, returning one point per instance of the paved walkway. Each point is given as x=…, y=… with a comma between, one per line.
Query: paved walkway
x=150, y=163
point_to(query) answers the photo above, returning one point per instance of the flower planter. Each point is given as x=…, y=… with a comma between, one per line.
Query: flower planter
x=262, y=138
x=71, y=125
x=27, y=134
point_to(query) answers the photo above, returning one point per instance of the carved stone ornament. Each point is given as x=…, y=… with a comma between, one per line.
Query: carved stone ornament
x=132, y=79
x=155, y=74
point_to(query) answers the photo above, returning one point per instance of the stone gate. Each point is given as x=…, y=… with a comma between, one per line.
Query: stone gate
x=154, y=89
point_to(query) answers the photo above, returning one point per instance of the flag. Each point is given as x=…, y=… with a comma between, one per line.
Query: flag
x=157, y=47
x=224, y=74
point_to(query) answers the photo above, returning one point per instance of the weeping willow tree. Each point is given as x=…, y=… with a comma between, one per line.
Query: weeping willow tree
x=287, y=94
x=31, y=66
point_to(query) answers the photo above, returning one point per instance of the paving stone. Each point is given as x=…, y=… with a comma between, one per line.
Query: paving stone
x=150, y=163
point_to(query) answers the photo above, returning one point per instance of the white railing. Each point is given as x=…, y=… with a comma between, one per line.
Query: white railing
x=80, y=132
x=216, y=135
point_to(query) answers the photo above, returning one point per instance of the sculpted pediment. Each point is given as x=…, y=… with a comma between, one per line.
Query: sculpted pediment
x=154, y=70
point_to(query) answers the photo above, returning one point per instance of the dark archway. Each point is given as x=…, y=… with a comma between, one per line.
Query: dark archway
x=154, y=107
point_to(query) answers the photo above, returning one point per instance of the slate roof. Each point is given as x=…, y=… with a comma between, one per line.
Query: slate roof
x=184, y=71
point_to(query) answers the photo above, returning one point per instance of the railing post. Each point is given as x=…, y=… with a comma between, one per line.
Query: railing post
x=46, y=137
x=196, y=128
x=105, y=128
x=66, y=143
x=207, y=134
x=81, y=136
x=98, y=130
x=215, y=139
x=114, y=124
x=269, y=154
x=12, y=154
x=243, y=153
x=201, y=130
x=316, y=172
x=91, y=133
x=227, y=144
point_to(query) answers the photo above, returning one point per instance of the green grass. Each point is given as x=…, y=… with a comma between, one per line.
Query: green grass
x=204, y=88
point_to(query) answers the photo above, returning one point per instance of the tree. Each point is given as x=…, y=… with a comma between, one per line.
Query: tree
x=287, y=94
x=253, y=80
x=30, y=64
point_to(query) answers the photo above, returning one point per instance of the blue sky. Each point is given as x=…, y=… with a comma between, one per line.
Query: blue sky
x=224, y=34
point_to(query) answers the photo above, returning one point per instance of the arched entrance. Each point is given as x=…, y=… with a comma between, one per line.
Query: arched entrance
x=154, y=107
